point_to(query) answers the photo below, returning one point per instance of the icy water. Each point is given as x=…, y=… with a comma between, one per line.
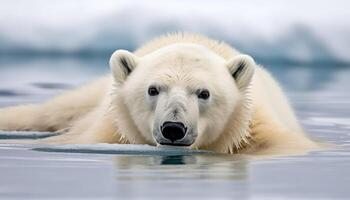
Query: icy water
x=320, y=95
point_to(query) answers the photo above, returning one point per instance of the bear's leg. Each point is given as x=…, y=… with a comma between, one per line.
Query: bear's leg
x=56, y=114
x=272, y=137
x=21, y=118
x=95, y=127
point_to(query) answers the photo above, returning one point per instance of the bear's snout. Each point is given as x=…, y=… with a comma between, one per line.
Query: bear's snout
x=173, y=131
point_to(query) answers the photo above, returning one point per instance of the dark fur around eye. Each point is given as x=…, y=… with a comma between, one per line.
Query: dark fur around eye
x=204, y=94
x=153, y=91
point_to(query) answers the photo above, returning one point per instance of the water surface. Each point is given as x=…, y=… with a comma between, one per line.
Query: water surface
x=320, y=95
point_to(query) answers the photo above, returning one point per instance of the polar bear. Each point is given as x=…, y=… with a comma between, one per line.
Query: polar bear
x=180, y=89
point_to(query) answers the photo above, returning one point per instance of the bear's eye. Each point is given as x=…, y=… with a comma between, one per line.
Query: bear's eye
x=204, y=94
x=153, y=91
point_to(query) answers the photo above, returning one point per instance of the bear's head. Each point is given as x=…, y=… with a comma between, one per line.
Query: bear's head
x=181, y=94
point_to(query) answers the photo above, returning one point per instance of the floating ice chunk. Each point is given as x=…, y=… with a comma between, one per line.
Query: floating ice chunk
x=133, y=149
x=327, y=121
x=26, y=134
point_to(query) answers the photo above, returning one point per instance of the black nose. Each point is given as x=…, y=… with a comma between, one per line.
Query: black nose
x=173, y=130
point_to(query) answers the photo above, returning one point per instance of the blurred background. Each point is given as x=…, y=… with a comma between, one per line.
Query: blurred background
x=50, y=46
x=313, y=31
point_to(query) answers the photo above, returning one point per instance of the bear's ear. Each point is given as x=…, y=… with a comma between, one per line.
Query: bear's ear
x=242, y=69
x=122, y=63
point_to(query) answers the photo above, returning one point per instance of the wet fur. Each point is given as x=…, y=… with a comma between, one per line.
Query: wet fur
x=263, y=123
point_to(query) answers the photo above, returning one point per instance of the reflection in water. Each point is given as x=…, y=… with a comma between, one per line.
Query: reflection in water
x=193, y=167
x=177, y=160
x=178, y=176
x=10, y=93
x=48, y=85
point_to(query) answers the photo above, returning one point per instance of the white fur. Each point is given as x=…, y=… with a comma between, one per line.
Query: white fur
x=244, y=114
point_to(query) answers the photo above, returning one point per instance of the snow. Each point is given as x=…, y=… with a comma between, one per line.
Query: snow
x=303, y=31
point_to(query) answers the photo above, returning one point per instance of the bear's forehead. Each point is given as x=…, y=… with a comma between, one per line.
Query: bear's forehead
x=182, y=55
x=183, y=58
x=184, y=63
